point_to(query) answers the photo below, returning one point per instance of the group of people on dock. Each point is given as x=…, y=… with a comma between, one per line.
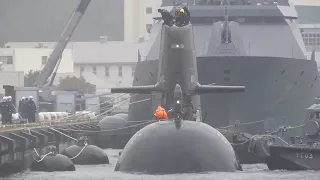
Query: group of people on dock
x=27, y=109
x=7, y=109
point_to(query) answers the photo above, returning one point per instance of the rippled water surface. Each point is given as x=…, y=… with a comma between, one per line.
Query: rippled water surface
x=102, y=172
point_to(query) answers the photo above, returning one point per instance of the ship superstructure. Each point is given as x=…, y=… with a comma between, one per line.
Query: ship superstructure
x=255, y=43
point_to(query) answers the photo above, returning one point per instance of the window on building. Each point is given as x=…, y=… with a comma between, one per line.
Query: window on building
x=9, y=60
x=94, y=69
x=44, y=60
x=106, y=71
x=311, y=38
x=149, y=10
x=133, y=70
x=120, y=71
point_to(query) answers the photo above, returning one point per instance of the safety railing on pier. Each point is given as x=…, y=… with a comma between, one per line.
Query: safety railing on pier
x=80, y=117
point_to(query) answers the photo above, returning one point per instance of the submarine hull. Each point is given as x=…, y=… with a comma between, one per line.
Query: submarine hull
x=86, y=155
x=162, y=148
x=271, y=93
x=293, y=158
x=52, y=163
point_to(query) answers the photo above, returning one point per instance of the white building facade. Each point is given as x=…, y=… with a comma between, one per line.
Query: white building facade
x=309, y=24
x=110, y=62
x=138, y=18
x=26, y=59
x=16, y=62
x=106, y=64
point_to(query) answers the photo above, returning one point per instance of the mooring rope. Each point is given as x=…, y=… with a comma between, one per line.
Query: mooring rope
x=83, y=112
x=34, y=149
x=64, y=134
x=145, y=122
x=85, y=145
x=42, y=157
x=257, y=135
x=254, y=122
x=143, y=100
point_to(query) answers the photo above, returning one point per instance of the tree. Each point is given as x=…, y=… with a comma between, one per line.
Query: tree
x=76, y=84
x=30, y=78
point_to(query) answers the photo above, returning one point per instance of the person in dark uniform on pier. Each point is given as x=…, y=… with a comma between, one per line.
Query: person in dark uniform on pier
x=11, y=109
x=21, y=106
x=31, y=110
x=4, y=110
x=167, y=17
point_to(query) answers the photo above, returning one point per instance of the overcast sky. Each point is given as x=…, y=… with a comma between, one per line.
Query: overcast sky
x=43, y=20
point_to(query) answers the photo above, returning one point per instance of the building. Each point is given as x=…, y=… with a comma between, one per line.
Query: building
x=113, y=62
x=12, y=78
x=309, y=24
x=138, y=18
x=105, y=64
x=32, y=58
x=110, y=62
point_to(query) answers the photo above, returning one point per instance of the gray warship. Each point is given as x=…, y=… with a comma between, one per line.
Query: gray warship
x=265, y=53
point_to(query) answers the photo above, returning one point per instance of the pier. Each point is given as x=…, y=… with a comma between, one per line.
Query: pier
x=20, y=143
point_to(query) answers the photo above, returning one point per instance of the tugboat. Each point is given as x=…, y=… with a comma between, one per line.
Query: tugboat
x=301, y=153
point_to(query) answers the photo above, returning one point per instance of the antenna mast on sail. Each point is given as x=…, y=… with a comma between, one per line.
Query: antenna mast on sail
x=226, y=21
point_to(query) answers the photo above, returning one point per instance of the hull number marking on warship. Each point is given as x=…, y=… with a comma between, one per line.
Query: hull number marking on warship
x=304, y=155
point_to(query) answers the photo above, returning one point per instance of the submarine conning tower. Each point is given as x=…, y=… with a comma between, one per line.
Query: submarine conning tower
x=178, y=65
x=177, y=62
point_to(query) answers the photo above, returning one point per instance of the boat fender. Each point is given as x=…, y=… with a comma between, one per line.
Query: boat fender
x=52, y=162
x=86, y=154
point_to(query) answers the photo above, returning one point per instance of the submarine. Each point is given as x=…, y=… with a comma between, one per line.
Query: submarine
x=179, y=144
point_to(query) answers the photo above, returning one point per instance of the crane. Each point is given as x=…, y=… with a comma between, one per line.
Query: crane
x=52, y=65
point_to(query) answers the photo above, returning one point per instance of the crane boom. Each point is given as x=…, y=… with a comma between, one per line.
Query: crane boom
x=62, y=43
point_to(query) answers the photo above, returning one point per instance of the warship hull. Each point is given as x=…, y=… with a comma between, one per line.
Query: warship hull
x=293, y=158
x=276, y=88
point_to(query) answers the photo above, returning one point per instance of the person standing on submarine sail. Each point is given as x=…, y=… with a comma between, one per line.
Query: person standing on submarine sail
x=167, y=18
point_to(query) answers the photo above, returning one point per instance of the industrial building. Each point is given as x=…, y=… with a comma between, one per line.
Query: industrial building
x=309, y=24
x=138, y=18
x=105, y=64
x=32, y=58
